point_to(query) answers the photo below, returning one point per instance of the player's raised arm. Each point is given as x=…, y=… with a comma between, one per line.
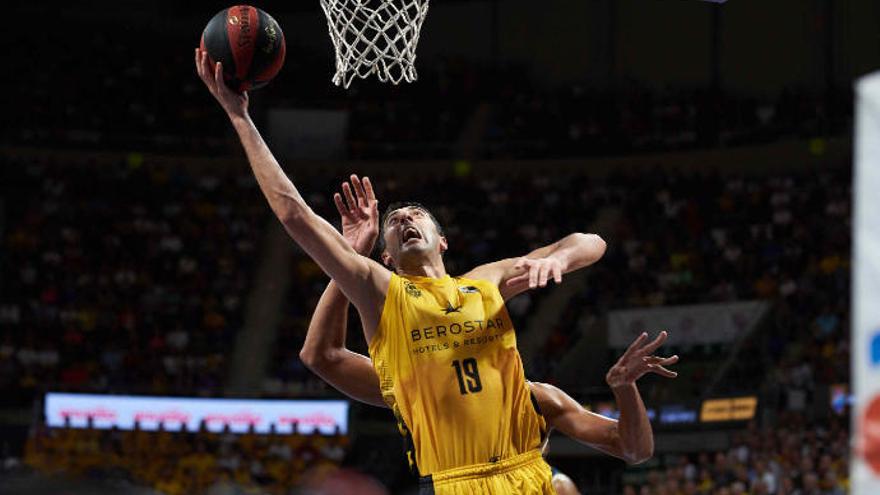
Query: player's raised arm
x=516, y=275
x=362, y=280
x=631, y=437
x=324, y=350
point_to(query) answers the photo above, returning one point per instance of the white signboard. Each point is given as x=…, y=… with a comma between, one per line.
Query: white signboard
x=865, y=473
x=177, y=413
x=687, y=325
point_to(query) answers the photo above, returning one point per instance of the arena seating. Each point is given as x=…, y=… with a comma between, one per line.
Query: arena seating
x=175, y=463
x=667, y=248
x=780, y=238
x=129, y=279
x=139, y=98
x=798, y=458
x=131, y=275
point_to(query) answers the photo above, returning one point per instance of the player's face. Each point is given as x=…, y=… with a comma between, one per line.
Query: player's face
x=410, y=232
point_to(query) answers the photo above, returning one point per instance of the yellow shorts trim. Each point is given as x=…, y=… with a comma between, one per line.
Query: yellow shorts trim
x=532, y=461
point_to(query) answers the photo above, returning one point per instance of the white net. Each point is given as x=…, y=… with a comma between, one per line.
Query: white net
x=375, y=37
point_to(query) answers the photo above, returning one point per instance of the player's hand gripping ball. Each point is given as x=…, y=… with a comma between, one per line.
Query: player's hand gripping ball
x=249, y=44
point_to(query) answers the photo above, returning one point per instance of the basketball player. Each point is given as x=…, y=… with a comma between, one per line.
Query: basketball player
x=444, y=349
x=324, y=352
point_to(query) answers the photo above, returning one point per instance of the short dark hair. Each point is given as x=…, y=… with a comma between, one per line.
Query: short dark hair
x=404, y=204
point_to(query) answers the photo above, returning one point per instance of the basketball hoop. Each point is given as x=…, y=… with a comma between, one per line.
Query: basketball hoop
x=375, y=37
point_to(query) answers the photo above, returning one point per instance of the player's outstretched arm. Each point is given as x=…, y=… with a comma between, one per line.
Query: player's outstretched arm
x=516, y=275
x=324, y=350
x=631, y=437
x=363, y=280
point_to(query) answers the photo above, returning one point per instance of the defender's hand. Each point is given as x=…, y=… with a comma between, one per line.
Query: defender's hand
x=360, y=214
x=638, y=360
x=536, y=272
x=235, y=104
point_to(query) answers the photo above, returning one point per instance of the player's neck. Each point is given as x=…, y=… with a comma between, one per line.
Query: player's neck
x=423, y=268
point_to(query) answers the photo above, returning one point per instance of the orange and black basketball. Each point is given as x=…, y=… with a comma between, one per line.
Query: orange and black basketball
x=248, y=42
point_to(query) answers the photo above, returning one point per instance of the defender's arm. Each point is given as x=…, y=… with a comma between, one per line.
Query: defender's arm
x=630, y=438
x=515, y=275
x=572, y=420
x=324, y=351
x=633, y=427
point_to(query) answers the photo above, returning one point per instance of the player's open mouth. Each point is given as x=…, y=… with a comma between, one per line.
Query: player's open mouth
x=409, y=233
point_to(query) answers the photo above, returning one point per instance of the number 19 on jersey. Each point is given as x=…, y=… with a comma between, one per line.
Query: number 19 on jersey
x=468, y=376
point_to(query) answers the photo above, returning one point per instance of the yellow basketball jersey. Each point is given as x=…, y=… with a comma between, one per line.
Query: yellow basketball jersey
x=445, y=352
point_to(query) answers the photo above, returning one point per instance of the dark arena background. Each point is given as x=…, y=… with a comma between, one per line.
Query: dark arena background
x=152, y=309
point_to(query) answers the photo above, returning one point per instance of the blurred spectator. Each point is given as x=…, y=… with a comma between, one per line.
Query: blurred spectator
x=127, y=279
x=178, y=463
x=143, y=94
x=797, y=459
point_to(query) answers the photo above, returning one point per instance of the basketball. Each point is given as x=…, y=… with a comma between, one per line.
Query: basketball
x=248, y=42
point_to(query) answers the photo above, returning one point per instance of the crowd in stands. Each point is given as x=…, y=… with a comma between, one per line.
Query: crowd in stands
x=183, y=463
x=123, y=278
x=675, y=239
x=578, y=120
x=798, y=458
x=780, y=238
x=143, y=94
x=132, y=278
x=154, y=263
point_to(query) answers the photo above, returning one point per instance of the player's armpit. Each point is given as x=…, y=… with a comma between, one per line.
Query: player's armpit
x=572, y=420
